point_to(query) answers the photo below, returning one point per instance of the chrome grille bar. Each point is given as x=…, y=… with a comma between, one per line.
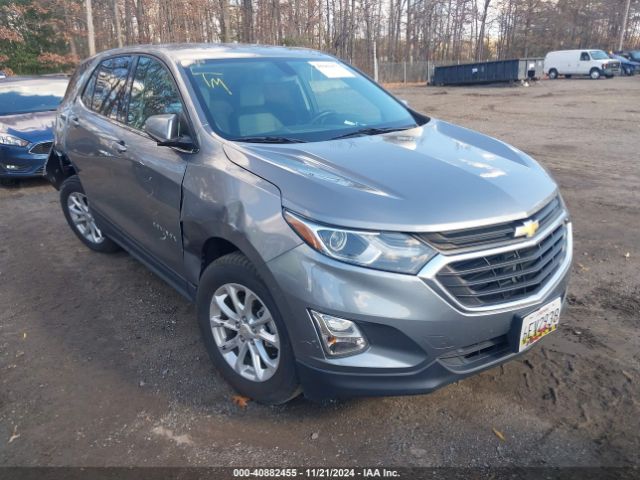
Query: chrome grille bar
x=493, y=235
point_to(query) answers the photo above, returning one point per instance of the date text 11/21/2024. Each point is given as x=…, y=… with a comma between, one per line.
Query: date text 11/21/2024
x=316, y=473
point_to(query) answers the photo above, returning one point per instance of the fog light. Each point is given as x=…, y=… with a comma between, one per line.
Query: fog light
x=339, y=336
x=9, y=166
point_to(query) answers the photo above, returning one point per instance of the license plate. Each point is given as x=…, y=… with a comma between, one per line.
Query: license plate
x=539, y=323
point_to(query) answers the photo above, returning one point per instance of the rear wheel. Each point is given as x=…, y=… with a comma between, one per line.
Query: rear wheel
x=244, y=332
x=75, y=206
x=595, y=73
x=553, y=74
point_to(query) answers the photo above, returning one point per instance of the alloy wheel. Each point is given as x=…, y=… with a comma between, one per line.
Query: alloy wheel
x=82, y=218
x=245, y=332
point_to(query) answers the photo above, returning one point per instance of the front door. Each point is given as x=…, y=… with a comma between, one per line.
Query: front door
x=584, y=65
x=152, y=175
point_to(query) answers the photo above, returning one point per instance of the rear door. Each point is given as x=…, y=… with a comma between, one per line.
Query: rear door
x=93, y=132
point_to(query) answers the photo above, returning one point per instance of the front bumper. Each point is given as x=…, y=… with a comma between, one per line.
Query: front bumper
x=419, y=340
x=18, y=162
x=611, y=71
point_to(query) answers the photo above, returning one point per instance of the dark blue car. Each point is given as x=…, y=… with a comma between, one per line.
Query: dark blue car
x=27, y=114
x=627, y=67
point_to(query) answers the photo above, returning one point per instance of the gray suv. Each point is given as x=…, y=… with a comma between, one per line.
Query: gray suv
x=334, y=240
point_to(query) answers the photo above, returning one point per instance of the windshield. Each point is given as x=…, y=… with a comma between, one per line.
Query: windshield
x=598, y=55
x=635, y=55
x=286, y=100
x=33, y=95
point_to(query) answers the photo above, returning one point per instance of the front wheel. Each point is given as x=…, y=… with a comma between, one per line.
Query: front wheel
x=595, y=73
x=75, y=206
x=244, y=333
x=553, y=74
x=8, y=182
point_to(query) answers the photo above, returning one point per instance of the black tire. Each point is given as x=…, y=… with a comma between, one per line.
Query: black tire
x=595, y=73
x=72, y=185
x=237, y=269
x=8, y=182
x=553, y=74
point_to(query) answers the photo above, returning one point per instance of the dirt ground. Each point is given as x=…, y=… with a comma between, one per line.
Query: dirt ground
x=101, y=363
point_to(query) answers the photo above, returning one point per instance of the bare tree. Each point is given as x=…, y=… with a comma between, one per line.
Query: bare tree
x=623, y=27
x=116, y=21
x=483, y=23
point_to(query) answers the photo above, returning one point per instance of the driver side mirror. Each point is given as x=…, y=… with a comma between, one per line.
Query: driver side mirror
x=165, y=129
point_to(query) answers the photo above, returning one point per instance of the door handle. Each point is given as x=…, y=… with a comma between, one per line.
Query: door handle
x=120, y=146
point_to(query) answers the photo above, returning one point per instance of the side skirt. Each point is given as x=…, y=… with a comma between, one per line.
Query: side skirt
x=182, y=286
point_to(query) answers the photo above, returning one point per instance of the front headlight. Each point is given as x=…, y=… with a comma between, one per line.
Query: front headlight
x=390, y=251
x=6, y=139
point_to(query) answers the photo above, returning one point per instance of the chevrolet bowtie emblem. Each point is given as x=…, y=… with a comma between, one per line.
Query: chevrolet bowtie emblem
x=527, y=229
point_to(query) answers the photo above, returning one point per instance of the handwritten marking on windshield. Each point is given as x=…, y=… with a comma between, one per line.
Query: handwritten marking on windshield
x=214, y=82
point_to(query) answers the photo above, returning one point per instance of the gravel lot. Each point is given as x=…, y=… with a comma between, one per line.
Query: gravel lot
x=101, y=362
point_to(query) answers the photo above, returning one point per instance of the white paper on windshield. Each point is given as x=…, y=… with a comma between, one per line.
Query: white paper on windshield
x=332, y=69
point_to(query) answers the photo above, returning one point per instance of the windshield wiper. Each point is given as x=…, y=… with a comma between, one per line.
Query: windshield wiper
x=372, y=131
x=267, y=139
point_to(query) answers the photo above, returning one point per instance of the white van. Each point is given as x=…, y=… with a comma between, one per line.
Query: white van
x=594, y=63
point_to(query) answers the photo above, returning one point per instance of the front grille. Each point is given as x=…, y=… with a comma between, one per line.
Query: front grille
x=41, y=148
x=493, y=235
x=507, y=276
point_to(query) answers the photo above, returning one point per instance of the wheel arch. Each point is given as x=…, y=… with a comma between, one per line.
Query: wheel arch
x=58, y=168
x=214, y=248
x=203, y=247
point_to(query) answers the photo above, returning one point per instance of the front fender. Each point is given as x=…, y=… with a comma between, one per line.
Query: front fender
x=223, y=200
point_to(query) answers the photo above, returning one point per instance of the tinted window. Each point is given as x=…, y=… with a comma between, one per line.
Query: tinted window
x=33, y=95
x=153, y=92
x=75, y=79
x=109, y=88
x=584, y=56
x=87, y=95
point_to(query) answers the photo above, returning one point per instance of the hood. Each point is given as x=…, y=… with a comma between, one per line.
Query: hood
x=435, y=177
x=34, y=127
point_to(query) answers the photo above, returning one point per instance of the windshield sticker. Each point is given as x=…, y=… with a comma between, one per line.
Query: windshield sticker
x=332, y=69
x=215, y=82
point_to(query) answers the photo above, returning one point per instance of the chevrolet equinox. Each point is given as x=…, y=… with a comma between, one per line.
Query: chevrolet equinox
x=334, y=240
